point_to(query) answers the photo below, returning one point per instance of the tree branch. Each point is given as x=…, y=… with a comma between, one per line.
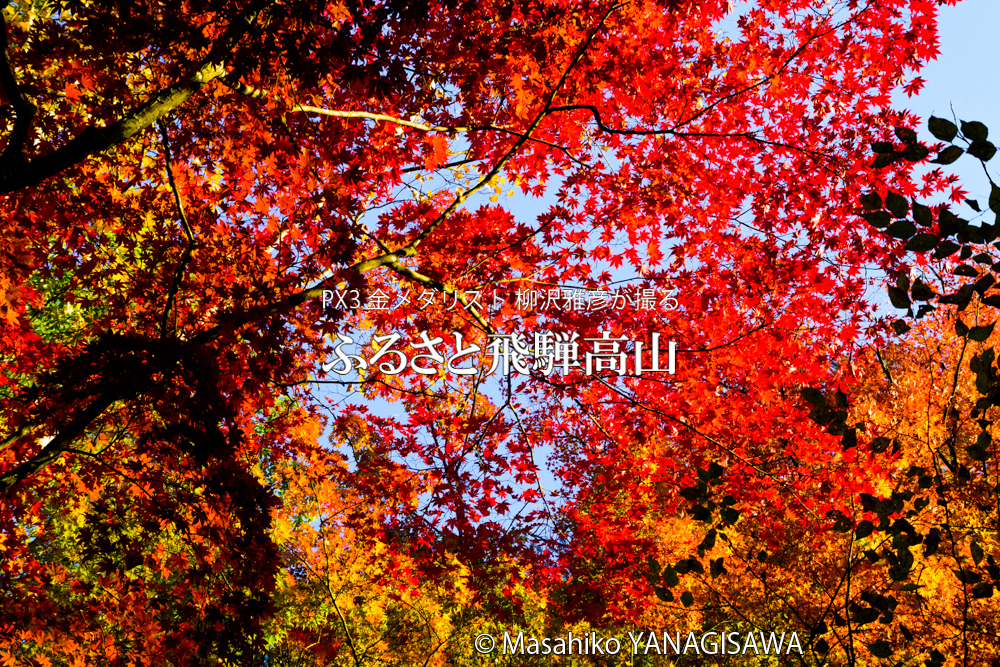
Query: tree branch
x=25, y=111
x=97, y=139
x=236, y=85
x=673, y=131
x=391, y=259
x=407, y=272
x=55, y=447
x=410, y=249
x=175, y=285
x=257, y=94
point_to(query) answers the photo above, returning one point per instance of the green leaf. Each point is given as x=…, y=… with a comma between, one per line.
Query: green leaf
x=994, y=198
x=864, y=529
x=932, y=542
x=813, y=395
x=687, y=599
x=692, y=493
x=948, y=155
x=982, y=150
x=968, y=576
x=915, y=152
x=985, y=282
x=841, y=398
x=878, y=219
x=975, y=131
x=882, y=161
x=879, y=444
x=842, y=524
x=922, y=243
x=669, y=576
x=921, y=291
x=983, y=590
x=961, y=328
x=989, y=232
x=871, y=201
x=897, y=204
x=716, y=568
x=701, y=513
x=966, y=270
x=922, y=215
x=901, y=229
x=663, y=594
x=980, y=334
x=881, y=649
x=900, y=327
x=976, y=551
x=864, y=615
x=883, y=147
x=949, y=223
x=977, y=453
x=898, y=297
x=709, y=540
x=942, y=129
x=984, y=440
x=905, y=134
x=946, y=249
x=900, y=572
x=962, y=297
x=850, y=439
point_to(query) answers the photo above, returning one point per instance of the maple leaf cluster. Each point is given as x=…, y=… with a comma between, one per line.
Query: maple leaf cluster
x=180, y=186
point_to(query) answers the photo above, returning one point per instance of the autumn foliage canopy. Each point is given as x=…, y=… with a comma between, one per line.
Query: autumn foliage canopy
x=186, y=479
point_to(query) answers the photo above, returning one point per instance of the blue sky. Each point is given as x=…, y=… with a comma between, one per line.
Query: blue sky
x=962, y=74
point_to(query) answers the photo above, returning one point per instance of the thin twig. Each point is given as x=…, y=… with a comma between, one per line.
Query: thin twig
x=410, y=248
x=93, y=139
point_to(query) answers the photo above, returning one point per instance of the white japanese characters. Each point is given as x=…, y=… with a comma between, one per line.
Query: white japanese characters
x=527, y=300
x=547, y=353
